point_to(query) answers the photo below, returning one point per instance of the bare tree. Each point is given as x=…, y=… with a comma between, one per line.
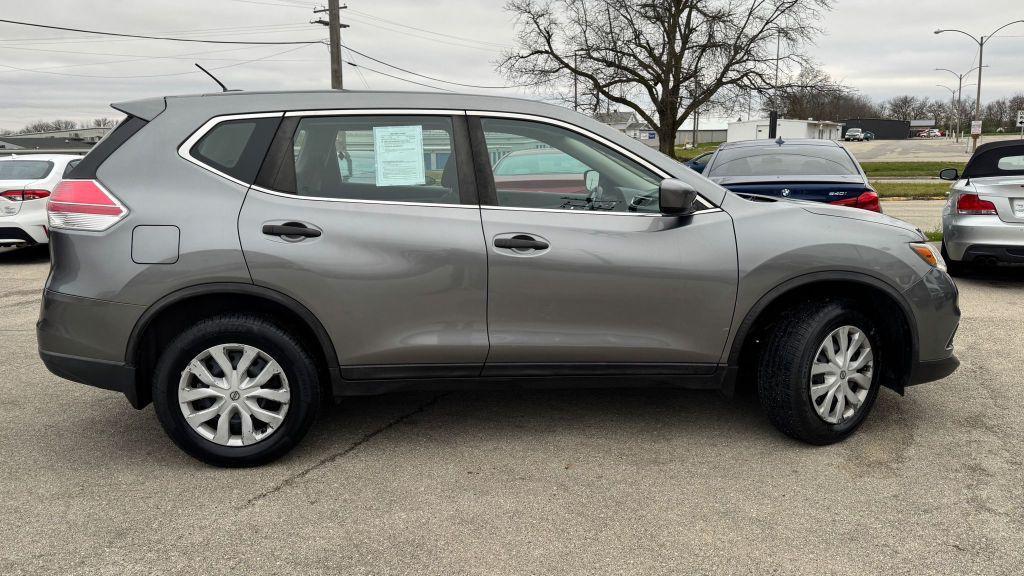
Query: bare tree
x=814, y=94
x=50, y=126
x=907, y=107
x=103, y=123
x=663, y=59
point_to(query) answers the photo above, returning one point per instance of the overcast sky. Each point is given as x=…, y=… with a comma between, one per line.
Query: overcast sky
x=880, y=47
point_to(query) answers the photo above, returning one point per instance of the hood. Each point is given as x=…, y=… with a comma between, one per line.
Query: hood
x=858, y=214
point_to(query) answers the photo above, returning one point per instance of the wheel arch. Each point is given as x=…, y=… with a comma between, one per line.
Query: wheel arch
x=877, y=296
x=158, y=323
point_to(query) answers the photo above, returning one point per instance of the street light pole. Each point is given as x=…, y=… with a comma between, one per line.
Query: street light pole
x=954, y=108
x=981, y=64
x=959, y=91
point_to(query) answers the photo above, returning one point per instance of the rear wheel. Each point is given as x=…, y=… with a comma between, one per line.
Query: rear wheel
x=817, y=375
x=236, y=390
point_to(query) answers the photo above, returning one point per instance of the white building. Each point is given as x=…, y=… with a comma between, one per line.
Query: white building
x=758, y=129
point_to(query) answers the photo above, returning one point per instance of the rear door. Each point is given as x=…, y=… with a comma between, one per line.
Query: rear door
x=369, y=219
x=597, y=281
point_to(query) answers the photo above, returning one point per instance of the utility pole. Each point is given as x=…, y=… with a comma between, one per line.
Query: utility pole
x=334, y=25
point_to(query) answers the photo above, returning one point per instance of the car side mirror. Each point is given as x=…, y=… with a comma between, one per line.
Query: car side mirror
x=676, y=197
x=949, y=174
x=591, y=179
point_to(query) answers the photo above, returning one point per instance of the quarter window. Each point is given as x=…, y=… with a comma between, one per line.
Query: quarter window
x=383, y=158
x=537, y=165
x=1011, y=163
x=236, y=147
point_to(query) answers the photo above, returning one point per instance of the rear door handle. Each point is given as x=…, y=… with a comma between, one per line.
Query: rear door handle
x=521, y=242
x=290, y=230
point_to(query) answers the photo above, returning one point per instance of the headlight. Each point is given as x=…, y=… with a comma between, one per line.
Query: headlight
x=929, y=254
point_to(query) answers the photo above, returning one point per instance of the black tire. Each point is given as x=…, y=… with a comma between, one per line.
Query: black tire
x=784, y=368
x=299, y=369
x=956, y=268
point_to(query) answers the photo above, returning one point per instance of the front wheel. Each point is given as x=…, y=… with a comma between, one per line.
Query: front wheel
x=236, y=390
x=818, y=373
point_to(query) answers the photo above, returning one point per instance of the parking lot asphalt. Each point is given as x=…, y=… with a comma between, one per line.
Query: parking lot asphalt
x=555, y=482
x=918, y=149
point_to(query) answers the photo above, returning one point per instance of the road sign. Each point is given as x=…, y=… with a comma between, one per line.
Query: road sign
x=975, y=127
x=1020, y=118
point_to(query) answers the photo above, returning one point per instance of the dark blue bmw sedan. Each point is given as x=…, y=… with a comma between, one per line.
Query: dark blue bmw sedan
x=800, y=169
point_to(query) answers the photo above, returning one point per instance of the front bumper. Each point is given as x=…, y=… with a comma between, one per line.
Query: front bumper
x=931, y=370
x=971, y=237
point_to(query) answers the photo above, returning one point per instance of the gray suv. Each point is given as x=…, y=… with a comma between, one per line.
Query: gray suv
x=238, y=258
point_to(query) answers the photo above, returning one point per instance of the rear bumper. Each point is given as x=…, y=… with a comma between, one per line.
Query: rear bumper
x=99, y=373
x=973, y=237
x=11, y=234
x=84, y=340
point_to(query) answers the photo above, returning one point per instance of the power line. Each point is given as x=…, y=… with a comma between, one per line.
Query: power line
x=379, y=61
x=38, y=71
x=438, y=40
x=49, y=27
x=463, y=38
x=350, y=63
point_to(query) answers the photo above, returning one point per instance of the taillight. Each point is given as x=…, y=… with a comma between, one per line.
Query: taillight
x=971, y=204
x=34, y=194
x=866, y=201
x=83, y=205
x=20, y=195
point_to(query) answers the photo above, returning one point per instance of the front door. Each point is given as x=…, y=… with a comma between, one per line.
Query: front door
x=366, y=220
x=584, y=272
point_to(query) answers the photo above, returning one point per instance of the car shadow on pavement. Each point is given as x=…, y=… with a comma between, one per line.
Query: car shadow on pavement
x=996, y=275
x=28, y=255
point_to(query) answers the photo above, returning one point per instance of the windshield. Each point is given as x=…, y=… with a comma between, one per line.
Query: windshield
x=25, y=169
x=793, y=160
x=539, y=163
x=853, y=131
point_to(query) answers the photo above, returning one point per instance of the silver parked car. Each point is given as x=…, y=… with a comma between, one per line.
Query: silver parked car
x=237, y=258
x=983, y=220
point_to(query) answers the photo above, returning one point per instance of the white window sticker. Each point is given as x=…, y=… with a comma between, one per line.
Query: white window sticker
x=399, y=155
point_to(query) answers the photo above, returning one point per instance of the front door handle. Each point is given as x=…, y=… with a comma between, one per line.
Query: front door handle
x=290, y=229
x=521, y=242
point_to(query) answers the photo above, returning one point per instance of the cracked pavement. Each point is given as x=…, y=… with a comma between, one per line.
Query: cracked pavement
x=558, y=482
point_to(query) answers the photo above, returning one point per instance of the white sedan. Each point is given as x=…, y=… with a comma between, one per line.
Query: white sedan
x=26, y=181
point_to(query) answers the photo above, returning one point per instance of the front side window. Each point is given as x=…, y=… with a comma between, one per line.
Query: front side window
x=793, y=160
x=383, y=158
x=25, y=169
x=537, y=165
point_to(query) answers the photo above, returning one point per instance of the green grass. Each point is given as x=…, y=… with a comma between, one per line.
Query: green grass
x=934, y=236
x=911, y=189
x=684, y=154
x=908, y=169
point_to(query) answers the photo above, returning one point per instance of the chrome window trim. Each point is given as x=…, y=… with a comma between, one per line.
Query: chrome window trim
x=378, y=112
x=599, y=212
x=362, y=201
x=185, y=149
x=588, y=134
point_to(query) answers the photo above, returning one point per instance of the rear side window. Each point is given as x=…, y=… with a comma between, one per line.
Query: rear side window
x=786, y=161
x=25, y=169
x=382, y=158
x=1011, y=163
x=236, y=147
